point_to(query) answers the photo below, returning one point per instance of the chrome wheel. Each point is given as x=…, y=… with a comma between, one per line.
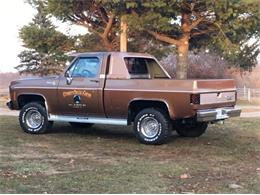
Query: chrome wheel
x=34, y=119
x=150, y=127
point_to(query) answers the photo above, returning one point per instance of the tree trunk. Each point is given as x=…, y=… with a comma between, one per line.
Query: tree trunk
x=183, y=48
x=108, y=44
x=182, y=58
x=123, y=34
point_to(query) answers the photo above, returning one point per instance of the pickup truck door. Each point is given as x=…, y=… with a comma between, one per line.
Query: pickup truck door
x=80, y=90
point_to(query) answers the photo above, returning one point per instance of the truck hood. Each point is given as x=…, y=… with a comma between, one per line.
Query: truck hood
x=36, y=82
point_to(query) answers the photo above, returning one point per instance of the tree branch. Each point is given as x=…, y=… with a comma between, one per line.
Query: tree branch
x=163, y=38
x=90, y=28
x=196, y=22
x=108, y=25
x=200, y=32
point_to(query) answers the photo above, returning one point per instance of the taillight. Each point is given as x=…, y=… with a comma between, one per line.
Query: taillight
x=195, y=99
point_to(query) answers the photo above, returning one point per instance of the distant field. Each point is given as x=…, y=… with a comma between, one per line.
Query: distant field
x=254, y=101
x=108, y=159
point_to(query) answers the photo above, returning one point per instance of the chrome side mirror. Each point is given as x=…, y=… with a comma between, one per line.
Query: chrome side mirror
x=68, y=78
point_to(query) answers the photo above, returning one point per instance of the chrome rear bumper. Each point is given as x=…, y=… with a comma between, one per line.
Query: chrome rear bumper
x=217, y=114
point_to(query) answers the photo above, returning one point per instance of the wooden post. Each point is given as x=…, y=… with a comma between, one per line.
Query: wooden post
x=123, y=34
x=249, y=95
x=244, y=91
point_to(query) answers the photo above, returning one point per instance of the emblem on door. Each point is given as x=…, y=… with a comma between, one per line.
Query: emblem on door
x=76, y=99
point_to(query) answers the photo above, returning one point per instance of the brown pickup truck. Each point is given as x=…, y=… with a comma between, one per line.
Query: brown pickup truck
x=122, y=89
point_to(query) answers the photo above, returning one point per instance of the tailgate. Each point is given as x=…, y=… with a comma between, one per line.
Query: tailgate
x=217, y=97
x=212, y=92
x=215, y=85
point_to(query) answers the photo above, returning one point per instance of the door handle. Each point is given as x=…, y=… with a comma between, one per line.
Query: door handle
x=94, y=80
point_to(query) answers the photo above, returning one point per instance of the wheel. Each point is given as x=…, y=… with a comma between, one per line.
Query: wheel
x=33, y=119
x=81, y=125
x=193, y=129
x=152, y=126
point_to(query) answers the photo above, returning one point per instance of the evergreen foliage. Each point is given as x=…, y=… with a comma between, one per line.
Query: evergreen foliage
x=46, y=47
x=223, y=27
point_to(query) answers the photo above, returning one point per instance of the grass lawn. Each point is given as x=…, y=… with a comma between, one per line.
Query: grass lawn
x=108, y=159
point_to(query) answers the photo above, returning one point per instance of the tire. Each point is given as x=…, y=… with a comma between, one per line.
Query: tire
x=33, y=119
x=194, y=129
x=81, y=125
x=160, y=126
x=50, y=125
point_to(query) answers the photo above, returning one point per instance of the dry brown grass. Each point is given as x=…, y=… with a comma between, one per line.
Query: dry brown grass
x=108, y=159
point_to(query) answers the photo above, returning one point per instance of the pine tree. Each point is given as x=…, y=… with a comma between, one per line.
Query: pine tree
x=45, y=46
x=224, y=27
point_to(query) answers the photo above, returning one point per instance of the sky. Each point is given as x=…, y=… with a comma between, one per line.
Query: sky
x=13, y=15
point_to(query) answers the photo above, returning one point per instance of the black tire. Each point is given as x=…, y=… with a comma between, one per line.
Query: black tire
x=157, y=117
x=50, y=125
x=81, y=125
x=40, y=115
x=194, y=129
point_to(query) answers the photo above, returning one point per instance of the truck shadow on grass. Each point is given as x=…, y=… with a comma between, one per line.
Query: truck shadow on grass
x=105, y=131
x=219, y=135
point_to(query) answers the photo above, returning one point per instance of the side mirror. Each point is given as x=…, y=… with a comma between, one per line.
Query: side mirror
x=68, y=78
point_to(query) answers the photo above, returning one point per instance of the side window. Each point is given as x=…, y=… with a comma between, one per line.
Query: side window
x=155, y=69
x=136, y=66
x=144, y=68
x=85, y=67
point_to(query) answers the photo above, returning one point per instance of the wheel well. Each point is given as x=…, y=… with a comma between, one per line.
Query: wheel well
x=136, y=106
x=25, y=99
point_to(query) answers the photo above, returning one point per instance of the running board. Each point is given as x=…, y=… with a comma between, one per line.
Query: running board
x=78, y=119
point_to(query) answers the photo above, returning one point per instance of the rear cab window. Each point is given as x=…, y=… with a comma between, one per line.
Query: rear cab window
x=144, y=68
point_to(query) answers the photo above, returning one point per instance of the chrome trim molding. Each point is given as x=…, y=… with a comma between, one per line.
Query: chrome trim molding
x=217, y=114
x=82, y=119
x=200, y=91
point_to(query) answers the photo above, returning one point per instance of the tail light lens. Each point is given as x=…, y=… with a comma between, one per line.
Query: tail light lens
x=195, y=99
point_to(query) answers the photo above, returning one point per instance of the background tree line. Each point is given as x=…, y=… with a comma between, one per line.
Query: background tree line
x=181, y=28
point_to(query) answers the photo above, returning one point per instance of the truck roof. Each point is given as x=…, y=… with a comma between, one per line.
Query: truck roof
x=114, y=53
x=117, y=67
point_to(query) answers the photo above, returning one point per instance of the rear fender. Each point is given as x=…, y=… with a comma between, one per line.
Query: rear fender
x=169, y=110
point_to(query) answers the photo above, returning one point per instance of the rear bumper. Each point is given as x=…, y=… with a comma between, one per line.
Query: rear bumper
x=217, y=114
x=10, y=105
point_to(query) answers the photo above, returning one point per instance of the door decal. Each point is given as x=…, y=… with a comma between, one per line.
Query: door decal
x=76, y=99
x=76, y=92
